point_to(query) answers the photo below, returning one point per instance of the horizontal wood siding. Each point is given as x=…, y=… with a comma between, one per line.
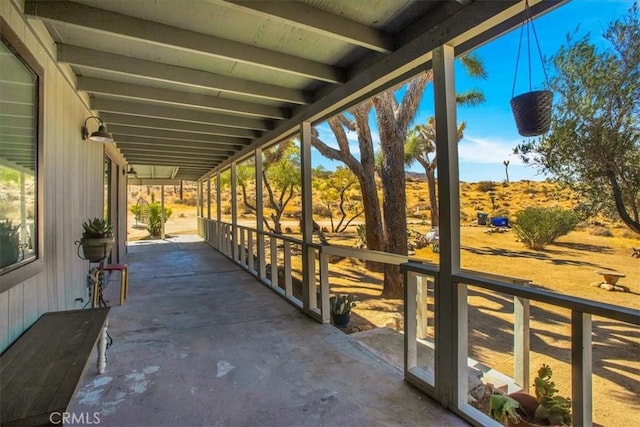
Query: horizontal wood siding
x=71, y=187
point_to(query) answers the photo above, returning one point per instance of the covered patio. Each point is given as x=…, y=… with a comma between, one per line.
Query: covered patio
x=202, y=342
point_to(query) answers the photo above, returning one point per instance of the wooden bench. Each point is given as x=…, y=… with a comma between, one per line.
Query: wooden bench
x=41, y=371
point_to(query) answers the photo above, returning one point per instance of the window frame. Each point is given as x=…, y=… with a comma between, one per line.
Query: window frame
x=23, y=270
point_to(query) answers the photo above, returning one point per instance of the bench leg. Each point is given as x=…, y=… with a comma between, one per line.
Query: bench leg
x=102, y=349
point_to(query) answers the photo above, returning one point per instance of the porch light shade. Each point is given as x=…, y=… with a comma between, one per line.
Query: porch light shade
x=101, y=135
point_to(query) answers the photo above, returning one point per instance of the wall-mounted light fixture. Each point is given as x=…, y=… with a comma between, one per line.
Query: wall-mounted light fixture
x=101, y=135
x=131, y=172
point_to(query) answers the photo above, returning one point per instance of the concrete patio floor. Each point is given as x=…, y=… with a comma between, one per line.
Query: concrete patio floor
x=200, y=342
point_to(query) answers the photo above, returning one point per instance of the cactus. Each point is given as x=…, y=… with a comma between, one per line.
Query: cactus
x=97, y=228
x=341, y=304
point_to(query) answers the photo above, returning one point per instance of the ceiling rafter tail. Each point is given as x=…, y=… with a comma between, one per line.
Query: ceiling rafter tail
x=321, y=22
x=122, y=130
x=135, y=91
x=177, y=38
x=83, y=57
x=144, y=159
x=186, y=148
x=131, y=140
x=161, y=111
x=161, y=123
x=176, y=152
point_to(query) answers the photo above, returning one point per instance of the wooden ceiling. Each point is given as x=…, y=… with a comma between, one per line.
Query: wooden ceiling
x=192, y=84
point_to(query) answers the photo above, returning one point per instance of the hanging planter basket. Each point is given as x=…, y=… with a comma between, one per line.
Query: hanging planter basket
x=531, y=110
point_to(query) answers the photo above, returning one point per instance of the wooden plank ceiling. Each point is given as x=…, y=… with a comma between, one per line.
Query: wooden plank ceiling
x=190, y=84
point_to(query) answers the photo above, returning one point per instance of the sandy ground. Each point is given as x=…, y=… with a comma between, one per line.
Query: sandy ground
x=568, y=267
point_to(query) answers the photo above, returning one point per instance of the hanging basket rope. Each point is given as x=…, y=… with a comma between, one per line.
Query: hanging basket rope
x=531, y=110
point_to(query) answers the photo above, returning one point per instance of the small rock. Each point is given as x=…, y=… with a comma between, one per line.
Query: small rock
x=607, y=287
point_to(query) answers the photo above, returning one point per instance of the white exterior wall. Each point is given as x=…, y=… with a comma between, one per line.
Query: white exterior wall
x=71, y=191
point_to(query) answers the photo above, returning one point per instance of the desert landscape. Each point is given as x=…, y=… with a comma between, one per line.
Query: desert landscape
x=569, y=266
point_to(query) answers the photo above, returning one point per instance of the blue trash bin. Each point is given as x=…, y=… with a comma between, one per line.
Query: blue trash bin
x=500, y=221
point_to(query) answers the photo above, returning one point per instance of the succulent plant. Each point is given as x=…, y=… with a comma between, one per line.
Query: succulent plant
x=341, y=304
x=97, y=228
x=546, y=408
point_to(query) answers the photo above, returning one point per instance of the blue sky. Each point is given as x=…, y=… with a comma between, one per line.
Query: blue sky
x=491, y=133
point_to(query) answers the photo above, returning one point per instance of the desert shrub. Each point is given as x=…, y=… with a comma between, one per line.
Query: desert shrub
x=486, y=186
x=155, y=218
x=538, y=227
x=601, y=231
x=630, y=235
x=322, y=211
x=136, y=210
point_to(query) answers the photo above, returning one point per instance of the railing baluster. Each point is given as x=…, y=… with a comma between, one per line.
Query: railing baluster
x=250, y=261
x=581, y=368
x=241, y=252
x=410, y=321
x=274, y=262
x=324, y=287
x=521, y=341
x=287, y=268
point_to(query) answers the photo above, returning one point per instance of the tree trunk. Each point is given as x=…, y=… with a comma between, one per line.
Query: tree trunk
x=433, y=197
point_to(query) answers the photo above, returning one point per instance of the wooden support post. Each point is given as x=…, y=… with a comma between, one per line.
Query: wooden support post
x=162, y=215
x=234, y=213
x=260, y=215
x=309, y=298
x=450, y=298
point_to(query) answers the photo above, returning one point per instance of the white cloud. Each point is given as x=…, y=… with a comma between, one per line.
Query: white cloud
x=484, y=150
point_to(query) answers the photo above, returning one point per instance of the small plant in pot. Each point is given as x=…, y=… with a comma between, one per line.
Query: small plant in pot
x=340, y=307
x=9, y=243
x=522, y=409
x=97, y=239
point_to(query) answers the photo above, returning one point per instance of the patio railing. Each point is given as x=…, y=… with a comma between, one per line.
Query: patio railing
x=428, y=378
x=272, y=258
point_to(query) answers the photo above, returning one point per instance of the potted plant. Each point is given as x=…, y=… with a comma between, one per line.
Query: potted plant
x=522, y=409
x=532, y=109
x=97, y=239
x=340, y=308
x=9, y=243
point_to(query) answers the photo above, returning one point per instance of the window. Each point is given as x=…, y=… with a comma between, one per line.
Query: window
x=19, y=86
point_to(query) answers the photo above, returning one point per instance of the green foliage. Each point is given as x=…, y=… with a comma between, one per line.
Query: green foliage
x=552, y=408
x=341, y=304
x=361, y=232
x=538, y=227
x=594, y=142
x=9, y=243
x=97, y=228
x=136, y=210
x=503, y=407
x=155, y=218
x=337, y=191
